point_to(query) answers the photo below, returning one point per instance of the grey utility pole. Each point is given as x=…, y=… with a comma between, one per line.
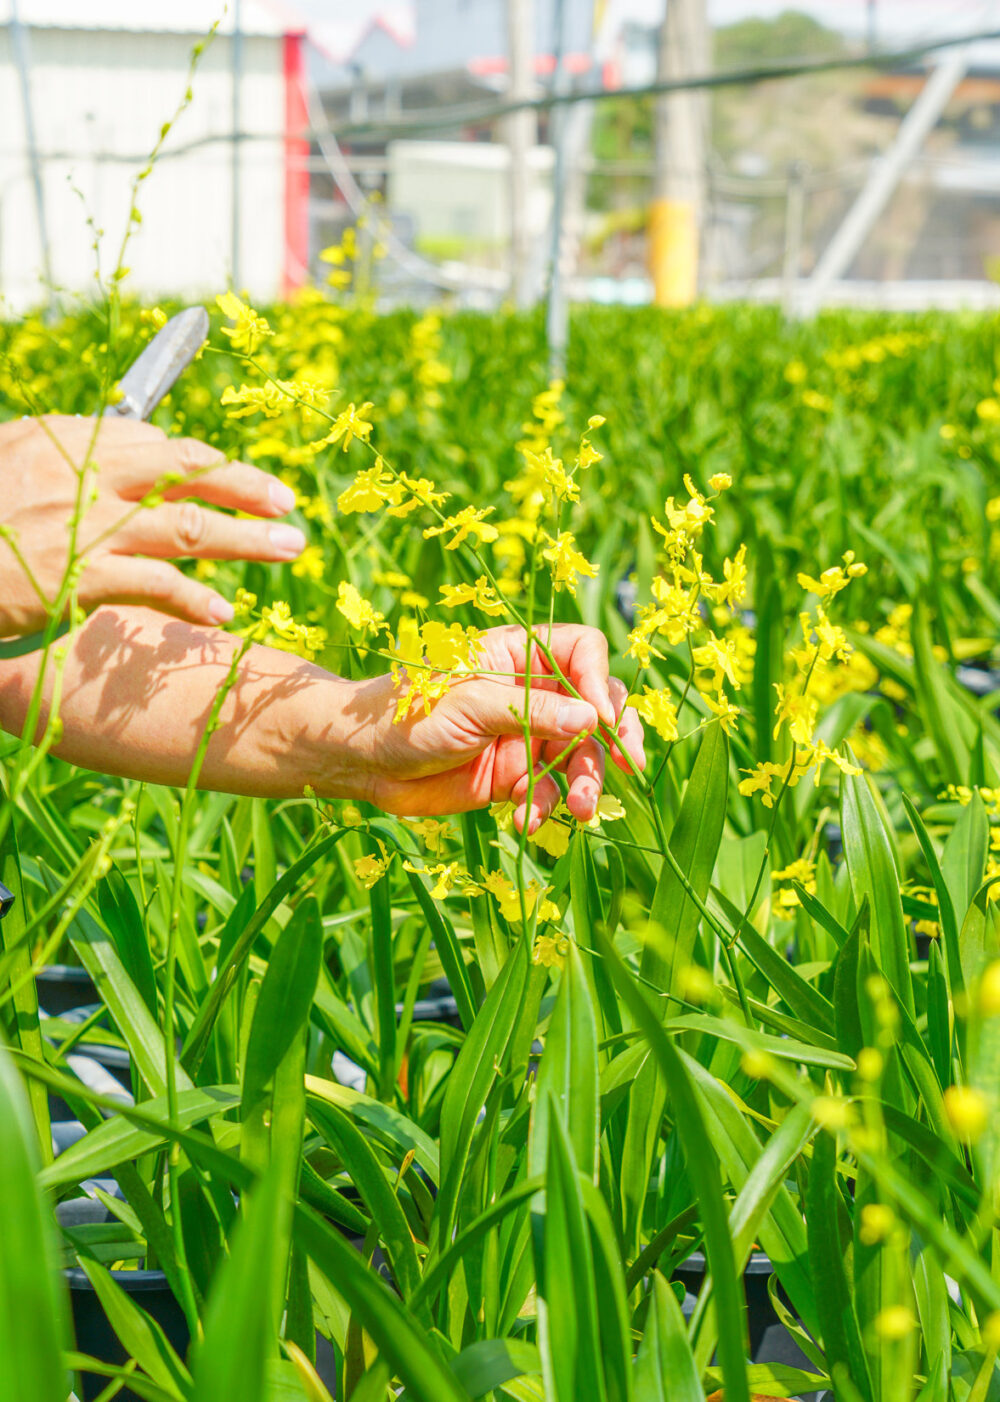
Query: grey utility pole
x=681, y=141
x=19, y=43
x=235, y=255
x=520, y=131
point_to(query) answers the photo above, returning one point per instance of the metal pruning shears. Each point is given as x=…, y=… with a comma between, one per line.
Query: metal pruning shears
x=150, y=376
x=153, y=373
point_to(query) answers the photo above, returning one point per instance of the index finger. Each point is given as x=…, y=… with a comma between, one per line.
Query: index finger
x=581, y=654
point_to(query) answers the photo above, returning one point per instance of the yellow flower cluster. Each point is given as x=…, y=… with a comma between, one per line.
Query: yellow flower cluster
x=250, y=330
x=824, y=651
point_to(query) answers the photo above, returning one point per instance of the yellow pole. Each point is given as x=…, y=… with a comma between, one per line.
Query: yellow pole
x=681, y=135
x=673, y=252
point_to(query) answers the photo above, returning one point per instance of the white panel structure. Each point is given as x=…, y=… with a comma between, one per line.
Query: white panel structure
x=105, y=76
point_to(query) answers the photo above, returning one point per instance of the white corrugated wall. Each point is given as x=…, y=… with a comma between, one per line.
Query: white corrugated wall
x=99, y=98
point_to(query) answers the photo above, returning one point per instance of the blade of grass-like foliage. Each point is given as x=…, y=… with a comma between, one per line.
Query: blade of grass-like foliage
x=228, y=971
x=780, y=1231
x=770, y=639
x=802, y=999
x=979, y=937
x=491, y=946
x=368, y=1177
x=448, y=950
x=665, y=1369
x=585, y=898
x=947, y=724
x=938, y=1016
x=115, y=1141
x=488, y=1364
x=285, y=998
x=471, y=1078
x=241, y=1315
x=439, y=1274
x=873, y=873
x=694, y=843
x=21, y=1013
x=399, y=1134
x=946, y=908
x=98, y=955
x=850, y=1034
x=32, y=1307
x=120, y=913
x=703, y=1165
x=141, y=1336
x=380, y=1312
x=404, y=1344
x=568, y=1331
x=963, y=861
x=785, y=1048
x=567, y=1074
x=612, y=1306
x=829, y=1230
x=383, y=979
x=814, y=906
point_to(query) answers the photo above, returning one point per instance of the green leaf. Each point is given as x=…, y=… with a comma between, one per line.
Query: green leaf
x=141, y=1336
x=568, y=1334
x=228, y=971
x=241, y=1316
x=946, y=908
x=694, y=843
x=665, y=1370
x=828, y=1229
x=963, y=861
x=120, y=913
x=369, y=1178
x=285, y=999
x=470, y=1081
x=946, y=722
x=32, y=1303
x=873, y=873
x=486, y=1365
x=801, y=998
x=383, y=978
x=567, y=1079
x=22, y=1009
x=703, y=1166
x=115, y=1141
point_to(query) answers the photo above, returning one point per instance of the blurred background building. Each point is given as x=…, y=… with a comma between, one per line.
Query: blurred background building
x=847, y=180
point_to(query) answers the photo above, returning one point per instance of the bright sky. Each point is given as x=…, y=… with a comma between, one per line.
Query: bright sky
x=340, y=21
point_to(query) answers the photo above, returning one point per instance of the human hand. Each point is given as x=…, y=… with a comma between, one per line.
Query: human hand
x=470, y=750
x=126, y=548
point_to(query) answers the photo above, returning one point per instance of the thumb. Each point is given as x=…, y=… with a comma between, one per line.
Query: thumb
x=496, y=709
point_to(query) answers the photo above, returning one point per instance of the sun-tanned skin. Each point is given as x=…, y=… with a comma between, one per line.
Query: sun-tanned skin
x=126, y=549
x=138, y=687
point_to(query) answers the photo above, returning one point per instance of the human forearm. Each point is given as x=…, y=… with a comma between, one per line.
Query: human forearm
x=137, y=691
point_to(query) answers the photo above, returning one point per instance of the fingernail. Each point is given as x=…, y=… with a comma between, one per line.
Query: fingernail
x=288, y=541
x=574, y=716
x=220, y=610
x=282, y=497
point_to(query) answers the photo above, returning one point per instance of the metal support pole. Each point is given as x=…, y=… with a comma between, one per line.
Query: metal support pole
x=795, y=210
x=237, y=192
x=520, y=128
x=22, y=59
x=884, y=177
x=680, y=129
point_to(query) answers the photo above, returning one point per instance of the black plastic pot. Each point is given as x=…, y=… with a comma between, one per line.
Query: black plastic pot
x=769, y=1341
x=63, y=987
x=151, y=1292
x=438, y=1006
x=95, y=1336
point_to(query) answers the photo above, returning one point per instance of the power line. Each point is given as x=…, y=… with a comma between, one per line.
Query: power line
x=433, y=119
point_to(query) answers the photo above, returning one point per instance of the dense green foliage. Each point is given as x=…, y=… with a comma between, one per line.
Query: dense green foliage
x=748, y=1023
